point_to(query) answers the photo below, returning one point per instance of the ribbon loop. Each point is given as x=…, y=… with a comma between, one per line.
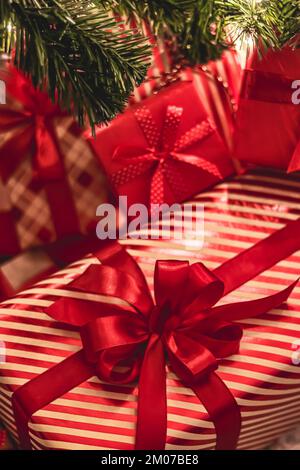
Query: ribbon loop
x=129, y=329
x=190, y=359
x=169, y=277
x=204, y=290
x=48, y=160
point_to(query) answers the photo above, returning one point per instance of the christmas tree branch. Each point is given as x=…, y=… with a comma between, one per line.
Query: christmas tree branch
x=218, y=24
x=204, y=28
x=87, y=61
x=159, y=13
x=77, y=51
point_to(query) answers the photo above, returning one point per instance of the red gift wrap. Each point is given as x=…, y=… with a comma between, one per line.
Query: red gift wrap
x=268, y=118
x=50, y=182
x=218, y=83
x=90, y=350
x=164, y=150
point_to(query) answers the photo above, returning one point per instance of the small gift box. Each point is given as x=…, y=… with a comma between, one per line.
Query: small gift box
x=217, y=83
x=268, y=118
x=50, y=181
x=89, y=354
x=163, y=150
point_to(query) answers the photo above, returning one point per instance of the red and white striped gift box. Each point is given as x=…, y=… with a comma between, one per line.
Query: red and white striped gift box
x=264, y=377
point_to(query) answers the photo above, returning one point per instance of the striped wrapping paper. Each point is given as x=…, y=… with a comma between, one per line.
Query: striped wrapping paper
x=264, y=376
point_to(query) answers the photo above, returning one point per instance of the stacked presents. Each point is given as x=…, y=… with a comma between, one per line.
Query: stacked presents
x=157, y=341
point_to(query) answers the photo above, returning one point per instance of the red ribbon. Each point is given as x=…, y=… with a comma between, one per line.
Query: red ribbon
x=162, y=153
x=30, y=130
x=182, y=325
x=273, y=88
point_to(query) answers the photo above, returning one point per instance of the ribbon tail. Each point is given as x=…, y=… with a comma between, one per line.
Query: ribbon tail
x=195, y=365
x=111, y=253
x=151, y=428
x=171, y=126
x=133, y=170
x=157, y=190
x=251, y=308
x=48, y=161
x=222, y=408
x=200, y=162
x=36, y=394
x=260, y=257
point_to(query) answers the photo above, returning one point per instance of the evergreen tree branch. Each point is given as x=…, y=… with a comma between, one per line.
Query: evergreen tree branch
x=90, y=64
x=204, y=28
x=77, y=51
x=159, y=13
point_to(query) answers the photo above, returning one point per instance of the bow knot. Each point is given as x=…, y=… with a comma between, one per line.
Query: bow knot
x=162, y=156
x=158, y=319
x=181, y=319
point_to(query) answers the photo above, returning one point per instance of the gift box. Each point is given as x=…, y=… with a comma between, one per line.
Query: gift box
x=247, y=397
x=163, y=150
x=217, y=83
x=268, y=118
x=50, y=180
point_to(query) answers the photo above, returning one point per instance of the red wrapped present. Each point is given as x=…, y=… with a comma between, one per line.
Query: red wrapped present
x=50, y=182
x=164, y=150
x=268, y=118
x=85, y=349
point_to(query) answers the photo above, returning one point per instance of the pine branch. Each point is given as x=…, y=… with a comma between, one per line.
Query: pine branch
x=90, y=64
x=159, y=13
x=288, y=11
x=77, y=51
x=204, y=28
x=203, y=37
x=246, y=20
x=268, y=23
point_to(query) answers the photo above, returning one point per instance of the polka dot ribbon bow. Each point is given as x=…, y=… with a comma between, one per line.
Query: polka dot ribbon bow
x=163, y=152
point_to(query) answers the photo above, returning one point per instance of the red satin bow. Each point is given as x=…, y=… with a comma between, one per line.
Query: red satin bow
x=182, y=326
x=163, y=153
x=31, y=127
x=273, y=88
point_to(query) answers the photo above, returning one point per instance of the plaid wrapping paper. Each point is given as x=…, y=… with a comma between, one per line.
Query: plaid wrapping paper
x=26, y=201
x=262, y=377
